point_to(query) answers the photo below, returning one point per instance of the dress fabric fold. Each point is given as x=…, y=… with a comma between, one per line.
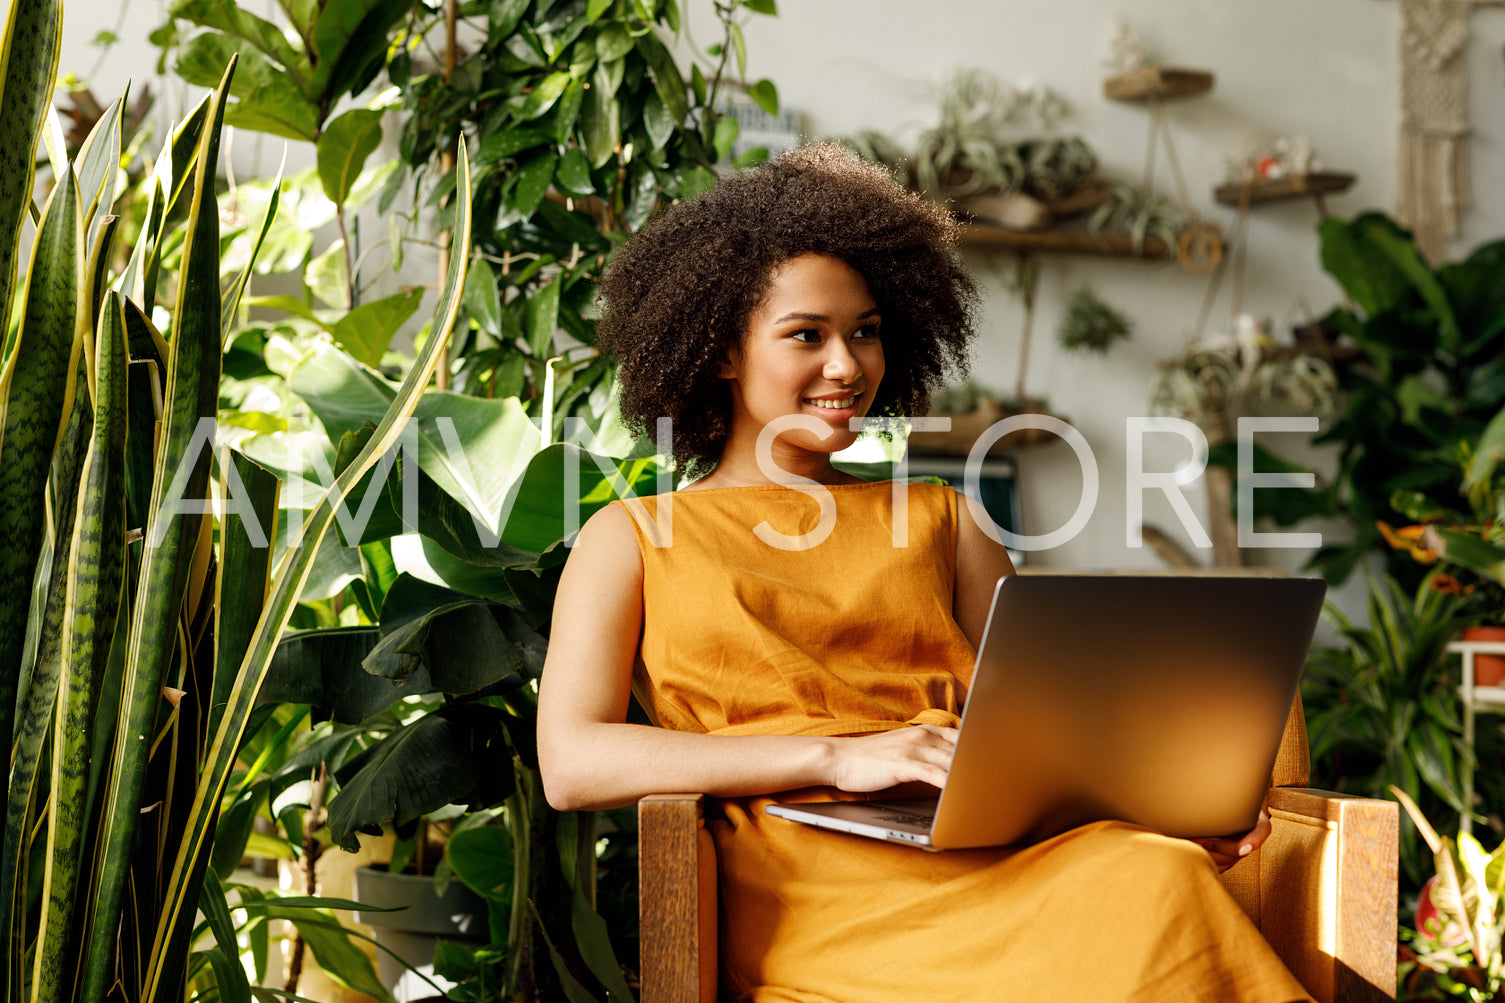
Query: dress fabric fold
x=828, y=611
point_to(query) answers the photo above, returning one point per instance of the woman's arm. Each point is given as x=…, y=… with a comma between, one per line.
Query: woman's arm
x=980, y=562
x=591, y=759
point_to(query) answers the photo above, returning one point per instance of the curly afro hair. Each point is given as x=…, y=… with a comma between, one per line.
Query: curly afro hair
x=678, y=294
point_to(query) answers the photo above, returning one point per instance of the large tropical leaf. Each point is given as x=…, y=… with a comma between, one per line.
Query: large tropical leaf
x=447, y=757
x=475, y=449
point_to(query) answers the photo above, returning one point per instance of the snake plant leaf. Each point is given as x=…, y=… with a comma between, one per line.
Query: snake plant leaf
x=182, y=151
x=193, y=851
x=41, y=693
x=96, y=571
x=98, y=166
x=28, y=69
x=191, y=397
x=36, y=395
x=244, y=569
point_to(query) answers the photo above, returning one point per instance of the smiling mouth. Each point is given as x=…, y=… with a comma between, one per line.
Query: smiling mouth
x=836, y=404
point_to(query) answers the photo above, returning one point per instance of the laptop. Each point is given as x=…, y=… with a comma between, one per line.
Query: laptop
x=1157, y=700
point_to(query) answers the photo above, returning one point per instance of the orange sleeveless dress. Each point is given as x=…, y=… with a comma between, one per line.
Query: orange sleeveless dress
x=767, y=610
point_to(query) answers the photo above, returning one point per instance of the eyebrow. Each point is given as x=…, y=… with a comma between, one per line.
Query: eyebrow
x=797, y=315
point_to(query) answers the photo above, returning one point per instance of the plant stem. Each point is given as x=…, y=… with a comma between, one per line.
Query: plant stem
x=313, y=820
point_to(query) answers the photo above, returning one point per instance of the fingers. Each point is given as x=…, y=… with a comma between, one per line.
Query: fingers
x=887, y=759
x=1227, y=851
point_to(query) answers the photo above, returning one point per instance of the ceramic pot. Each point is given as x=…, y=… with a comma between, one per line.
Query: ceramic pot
x=413, y=931
x=1489, y=670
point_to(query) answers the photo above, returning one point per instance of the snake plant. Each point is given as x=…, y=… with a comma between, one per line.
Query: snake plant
x=135, y=629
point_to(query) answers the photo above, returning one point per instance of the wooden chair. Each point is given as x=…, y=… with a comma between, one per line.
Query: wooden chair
x=1322, y=889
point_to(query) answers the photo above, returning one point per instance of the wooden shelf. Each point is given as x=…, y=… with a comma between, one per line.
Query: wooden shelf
x=1109, y=243
x=1162, y=82
x=1289, y=187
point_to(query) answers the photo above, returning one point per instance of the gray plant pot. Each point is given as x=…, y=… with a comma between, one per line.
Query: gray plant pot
x=421, y=919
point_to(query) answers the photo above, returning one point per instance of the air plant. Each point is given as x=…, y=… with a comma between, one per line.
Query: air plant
x=1056, y=167
x=1091, y=325
x=965, y=153
x=1142, y=213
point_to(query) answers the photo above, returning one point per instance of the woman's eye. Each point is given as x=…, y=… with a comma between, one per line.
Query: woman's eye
x=866, y=331
x=809, y=336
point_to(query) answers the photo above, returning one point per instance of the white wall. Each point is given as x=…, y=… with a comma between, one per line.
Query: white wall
x=1327, y=69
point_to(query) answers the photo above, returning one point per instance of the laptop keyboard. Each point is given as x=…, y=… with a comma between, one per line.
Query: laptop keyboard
x=908, y=818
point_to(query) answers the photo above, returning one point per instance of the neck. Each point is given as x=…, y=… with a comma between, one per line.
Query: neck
x=738, y=467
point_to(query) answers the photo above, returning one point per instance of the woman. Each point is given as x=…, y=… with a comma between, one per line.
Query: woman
x=795, y=631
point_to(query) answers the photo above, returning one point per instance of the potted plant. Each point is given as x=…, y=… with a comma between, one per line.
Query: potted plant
x=1460, y=917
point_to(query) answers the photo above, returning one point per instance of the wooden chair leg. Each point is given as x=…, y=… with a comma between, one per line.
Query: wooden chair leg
x=677, y=900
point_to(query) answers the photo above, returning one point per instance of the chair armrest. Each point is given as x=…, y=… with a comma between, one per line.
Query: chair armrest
x=1328, y=891
x=677, y=900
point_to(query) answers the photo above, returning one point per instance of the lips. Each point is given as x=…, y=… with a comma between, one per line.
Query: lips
x=833, y=404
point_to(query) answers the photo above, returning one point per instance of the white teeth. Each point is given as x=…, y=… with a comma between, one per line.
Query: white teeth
x=835, y=405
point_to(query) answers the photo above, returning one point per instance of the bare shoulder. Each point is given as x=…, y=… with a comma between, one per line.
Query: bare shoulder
x=608, y=541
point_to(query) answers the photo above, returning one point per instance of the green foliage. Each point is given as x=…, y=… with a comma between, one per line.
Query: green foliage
x=1430, y=376
x=582, y=125
x=143, y=627
x=1090, y=324
x=1382, y=709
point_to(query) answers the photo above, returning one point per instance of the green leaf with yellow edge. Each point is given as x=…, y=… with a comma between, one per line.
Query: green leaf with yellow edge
x=28, y=70
x=343, y=149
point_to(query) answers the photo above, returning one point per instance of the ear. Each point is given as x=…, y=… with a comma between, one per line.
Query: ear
x=729, y=368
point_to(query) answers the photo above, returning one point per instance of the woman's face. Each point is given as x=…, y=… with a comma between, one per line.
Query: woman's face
x=812, y=347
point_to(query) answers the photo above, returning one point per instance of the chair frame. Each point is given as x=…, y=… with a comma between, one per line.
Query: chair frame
x=1322, y=890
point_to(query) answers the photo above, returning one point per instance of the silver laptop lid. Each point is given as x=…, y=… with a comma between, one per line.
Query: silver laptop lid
x=1155, y=699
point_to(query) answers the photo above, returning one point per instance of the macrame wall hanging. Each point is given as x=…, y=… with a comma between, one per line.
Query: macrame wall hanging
x=1432, y=172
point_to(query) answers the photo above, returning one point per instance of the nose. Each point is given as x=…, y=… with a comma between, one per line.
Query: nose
x=841, y=366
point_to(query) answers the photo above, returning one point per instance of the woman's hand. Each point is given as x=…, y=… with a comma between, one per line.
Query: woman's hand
x=1228, y=851
x=920, y=752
